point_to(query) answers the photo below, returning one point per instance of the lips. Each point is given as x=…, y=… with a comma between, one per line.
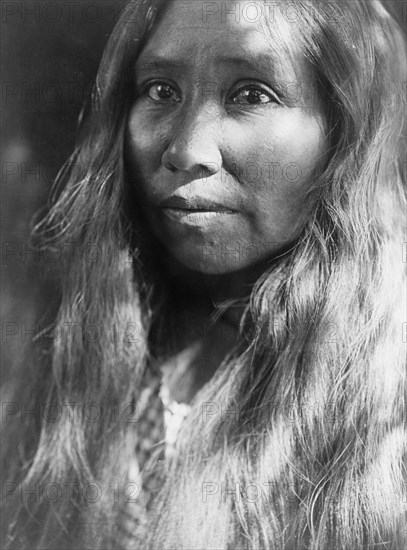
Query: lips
x=195, y=204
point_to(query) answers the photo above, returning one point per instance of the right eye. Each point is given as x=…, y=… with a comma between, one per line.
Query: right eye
x=162, y=92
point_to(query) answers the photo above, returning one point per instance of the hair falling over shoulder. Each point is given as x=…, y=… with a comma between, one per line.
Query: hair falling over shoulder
x=316, y=456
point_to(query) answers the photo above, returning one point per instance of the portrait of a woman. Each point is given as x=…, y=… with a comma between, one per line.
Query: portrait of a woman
x=226, y=368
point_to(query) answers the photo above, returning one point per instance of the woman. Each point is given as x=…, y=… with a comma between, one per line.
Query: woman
x=231, y=229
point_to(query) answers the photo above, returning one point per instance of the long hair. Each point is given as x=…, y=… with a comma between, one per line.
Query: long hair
x=299, y=439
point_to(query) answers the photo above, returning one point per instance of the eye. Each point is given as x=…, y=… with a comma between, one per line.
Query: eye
x=252, y=95
x=162, y=92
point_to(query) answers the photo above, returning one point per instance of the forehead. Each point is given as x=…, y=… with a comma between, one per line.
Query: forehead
x=216, y=15
x=191, y=29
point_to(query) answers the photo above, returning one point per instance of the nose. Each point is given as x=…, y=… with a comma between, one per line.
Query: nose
x=194, y=146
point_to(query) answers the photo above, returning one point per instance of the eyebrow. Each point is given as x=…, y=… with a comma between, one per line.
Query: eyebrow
x=156, y=62
x=264, y=65
x=261, y=63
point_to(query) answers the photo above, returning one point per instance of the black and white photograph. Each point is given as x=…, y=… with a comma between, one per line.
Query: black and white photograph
x=203, y=275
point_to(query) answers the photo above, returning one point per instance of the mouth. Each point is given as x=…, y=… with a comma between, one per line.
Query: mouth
x=195, y=211
x=195, y=205
x=195, y=217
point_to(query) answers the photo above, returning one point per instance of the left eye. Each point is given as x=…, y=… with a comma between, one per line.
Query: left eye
x=251, y=95
x=162, y=92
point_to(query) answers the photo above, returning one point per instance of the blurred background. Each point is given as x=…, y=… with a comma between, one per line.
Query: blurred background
x=49, y=57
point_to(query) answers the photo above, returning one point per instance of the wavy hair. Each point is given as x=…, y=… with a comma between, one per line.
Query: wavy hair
x=318, y=378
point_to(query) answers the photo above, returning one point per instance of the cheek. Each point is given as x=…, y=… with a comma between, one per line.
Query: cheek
x=291, y=147
x=294, y=143
x=300, y=146
x=145, y=143
x=284, y=156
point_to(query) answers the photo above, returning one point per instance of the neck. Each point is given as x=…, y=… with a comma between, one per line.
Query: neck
x=234, y=288
x=226, y=295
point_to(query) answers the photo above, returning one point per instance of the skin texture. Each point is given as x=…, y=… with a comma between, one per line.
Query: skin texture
x=212, y=118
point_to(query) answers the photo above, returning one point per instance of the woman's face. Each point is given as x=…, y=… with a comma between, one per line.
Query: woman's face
x=223, y=139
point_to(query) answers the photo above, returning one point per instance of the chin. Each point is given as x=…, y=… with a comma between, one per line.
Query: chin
x=210, y=263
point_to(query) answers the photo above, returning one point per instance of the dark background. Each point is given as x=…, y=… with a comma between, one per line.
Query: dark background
x=49, y=57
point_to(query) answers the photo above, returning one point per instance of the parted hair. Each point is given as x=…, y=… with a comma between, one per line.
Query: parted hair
x=319, y=374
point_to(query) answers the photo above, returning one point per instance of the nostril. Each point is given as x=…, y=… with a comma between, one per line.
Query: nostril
x=196, y=156
x=171, y=167
x=168, y=164
x=203, y=171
